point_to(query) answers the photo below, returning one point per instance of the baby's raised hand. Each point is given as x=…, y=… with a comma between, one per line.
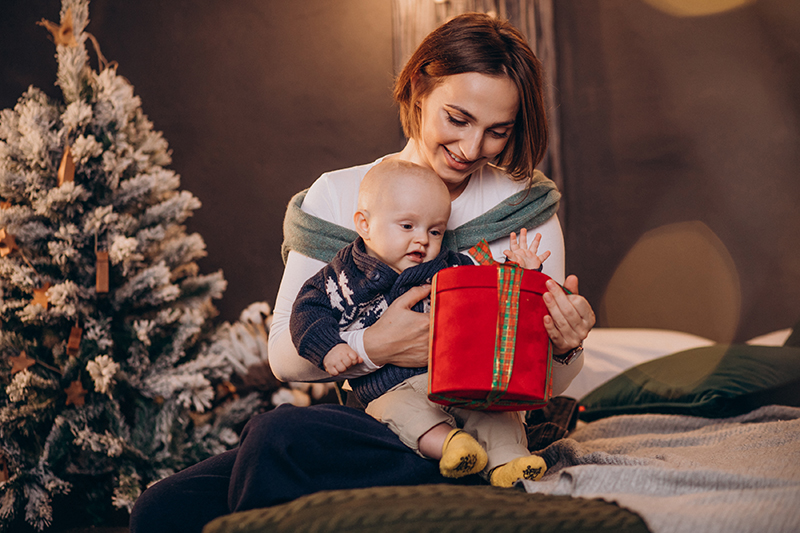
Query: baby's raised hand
x=522, y=254
x=340, y=358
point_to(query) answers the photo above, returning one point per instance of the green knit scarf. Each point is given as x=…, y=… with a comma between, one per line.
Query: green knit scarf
x=320, y=239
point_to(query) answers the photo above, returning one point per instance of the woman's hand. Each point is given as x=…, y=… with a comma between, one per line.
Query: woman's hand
x=571, y=317
x=400, y=336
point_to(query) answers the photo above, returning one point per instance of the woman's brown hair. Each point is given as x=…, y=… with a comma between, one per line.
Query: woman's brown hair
x=474, y=42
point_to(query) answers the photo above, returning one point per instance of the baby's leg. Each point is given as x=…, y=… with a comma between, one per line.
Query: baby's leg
x=427, y=429
x=502, y=434
x=408, y=413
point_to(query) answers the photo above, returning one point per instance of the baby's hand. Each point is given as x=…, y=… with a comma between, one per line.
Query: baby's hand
x=523, y=255
x=340, y=358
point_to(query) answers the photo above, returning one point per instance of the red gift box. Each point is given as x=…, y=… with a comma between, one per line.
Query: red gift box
x=488, y=346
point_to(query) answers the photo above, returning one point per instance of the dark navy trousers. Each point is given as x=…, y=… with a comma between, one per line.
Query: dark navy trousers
x=284, y=454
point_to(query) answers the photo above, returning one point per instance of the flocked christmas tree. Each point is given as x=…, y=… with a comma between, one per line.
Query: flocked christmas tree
x=111, y=373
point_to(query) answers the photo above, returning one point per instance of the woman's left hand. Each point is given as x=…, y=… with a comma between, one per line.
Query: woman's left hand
x=571, y=317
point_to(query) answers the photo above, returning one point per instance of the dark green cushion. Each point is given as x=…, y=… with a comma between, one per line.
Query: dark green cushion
x=794, y=337
x=433, y=509
x=713, y=382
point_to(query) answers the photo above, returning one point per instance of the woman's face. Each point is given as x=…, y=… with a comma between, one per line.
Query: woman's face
x=466, y=121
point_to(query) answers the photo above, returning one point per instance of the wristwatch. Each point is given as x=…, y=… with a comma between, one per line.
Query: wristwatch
x=570, y=356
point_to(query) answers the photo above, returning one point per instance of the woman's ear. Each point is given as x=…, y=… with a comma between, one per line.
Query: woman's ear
x=361, y=220
x=414, y=82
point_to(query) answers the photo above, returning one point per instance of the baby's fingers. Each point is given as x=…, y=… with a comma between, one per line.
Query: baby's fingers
x=523, y=238
x=535, y=243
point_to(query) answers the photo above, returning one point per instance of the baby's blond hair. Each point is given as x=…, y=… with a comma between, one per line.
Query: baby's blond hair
x=391, y=176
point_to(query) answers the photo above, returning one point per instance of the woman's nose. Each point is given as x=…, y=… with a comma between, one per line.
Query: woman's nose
x=472, y=145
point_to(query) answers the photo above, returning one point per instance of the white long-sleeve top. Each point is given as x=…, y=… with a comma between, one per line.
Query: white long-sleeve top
x=334, y=197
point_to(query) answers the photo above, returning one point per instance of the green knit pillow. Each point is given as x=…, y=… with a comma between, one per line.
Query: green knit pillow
x=713, y=382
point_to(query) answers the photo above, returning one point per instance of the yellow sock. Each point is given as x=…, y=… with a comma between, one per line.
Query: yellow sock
x=461, y=455
x=530, y=467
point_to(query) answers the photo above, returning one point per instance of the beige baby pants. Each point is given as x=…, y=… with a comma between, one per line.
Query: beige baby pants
x=408, y=412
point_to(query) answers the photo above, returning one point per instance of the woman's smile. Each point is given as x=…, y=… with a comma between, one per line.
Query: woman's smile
x=460, y=164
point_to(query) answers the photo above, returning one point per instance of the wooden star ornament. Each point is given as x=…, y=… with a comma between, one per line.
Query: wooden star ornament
x=200, y=419
x=21, y=362
x=75, y=393
x=40, y=295
x=7, y=243
x=63, y=33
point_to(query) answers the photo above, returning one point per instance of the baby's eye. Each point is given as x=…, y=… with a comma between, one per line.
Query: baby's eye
x=406, y=226
x=435, y=232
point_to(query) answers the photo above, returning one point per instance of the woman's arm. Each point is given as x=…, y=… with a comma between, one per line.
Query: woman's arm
x=285, y=362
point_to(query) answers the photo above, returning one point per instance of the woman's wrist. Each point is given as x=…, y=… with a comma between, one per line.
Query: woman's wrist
x=374, y=351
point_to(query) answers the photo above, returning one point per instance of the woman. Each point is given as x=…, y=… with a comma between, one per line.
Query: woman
x=472, y=108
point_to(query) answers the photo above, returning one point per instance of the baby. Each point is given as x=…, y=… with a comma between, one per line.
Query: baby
x=401, y=219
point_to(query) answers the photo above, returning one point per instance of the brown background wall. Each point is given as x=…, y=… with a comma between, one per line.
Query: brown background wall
x=681, y=137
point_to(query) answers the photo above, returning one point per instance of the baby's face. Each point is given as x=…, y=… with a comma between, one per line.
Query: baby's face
x=408, y=226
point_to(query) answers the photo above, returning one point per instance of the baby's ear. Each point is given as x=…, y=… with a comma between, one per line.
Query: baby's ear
x=361, y=220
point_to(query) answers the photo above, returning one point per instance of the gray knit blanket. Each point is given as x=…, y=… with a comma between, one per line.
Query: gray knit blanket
x=687, y=474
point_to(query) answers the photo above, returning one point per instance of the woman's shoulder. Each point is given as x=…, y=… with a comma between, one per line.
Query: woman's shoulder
x=334, y=195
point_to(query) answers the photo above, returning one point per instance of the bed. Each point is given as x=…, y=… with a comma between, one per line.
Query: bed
x=670, y=433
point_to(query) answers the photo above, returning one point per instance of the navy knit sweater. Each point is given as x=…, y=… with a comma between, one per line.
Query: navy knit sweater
x=351, y=293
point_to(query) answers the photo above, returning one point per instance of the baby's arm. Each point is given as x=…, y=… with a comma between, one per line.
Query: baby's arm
x=314, y=323
x=340, y=358
x=525, y=256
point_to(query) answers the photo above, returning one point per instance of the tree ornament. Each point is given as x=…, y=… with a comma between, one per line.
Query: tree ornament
x=3, y=469
x=102, y=272
x=225, y=388
x=74, y=341
x=66, y=170
x=101, y=267
x=7, y=243
x=40, y=295
x=75, y=393
x=200, y=419
x=63, y=33
x=21, y=362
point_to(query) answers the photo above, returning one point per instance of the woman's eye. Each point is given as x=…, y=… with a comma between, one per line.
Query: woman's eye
x=498, y=134
x=453, y=120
